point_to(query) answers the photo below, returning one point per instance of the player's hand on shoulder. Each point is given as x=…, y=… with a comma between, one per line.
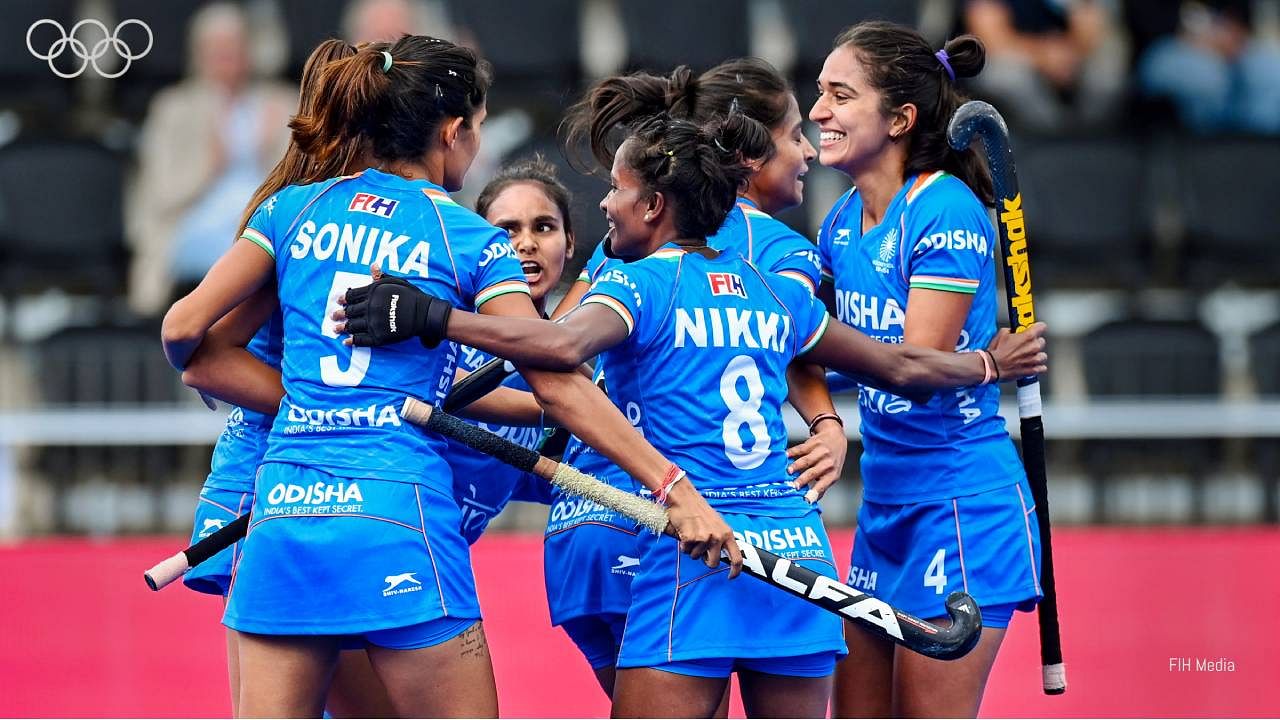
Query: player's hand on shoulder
x=391, y=310
x=702, y=532
x=1021, y=354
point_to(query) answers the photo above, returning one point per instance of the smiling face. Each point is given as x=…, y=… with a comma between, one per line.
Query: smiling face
x=625, y=206
x=779, y=183
x=536, y=227
x=854, y=130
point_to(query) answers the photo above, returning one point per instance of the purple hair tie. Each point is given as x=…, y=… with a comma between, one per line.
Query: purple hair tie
x=946, y=64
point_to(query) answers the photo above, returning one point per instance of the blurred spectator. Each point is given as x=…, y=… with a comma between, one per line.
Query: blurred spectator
x=206, y=145
x=377, y=20
x=1052, y=65
x=1207, y=59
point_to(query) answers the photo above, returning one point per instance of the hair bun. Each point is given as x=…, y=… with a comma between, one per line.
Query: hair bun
x=967, y=55
x=682, y=90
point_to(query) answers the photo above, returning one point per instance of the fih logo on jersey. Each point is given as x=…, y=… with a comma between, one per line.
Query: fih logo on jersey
x=726, y=284
x=401, y=584
x=372, y=204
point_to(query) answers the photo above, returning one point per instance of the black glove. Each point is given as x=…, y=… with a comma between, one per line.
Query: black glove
x=392, y=310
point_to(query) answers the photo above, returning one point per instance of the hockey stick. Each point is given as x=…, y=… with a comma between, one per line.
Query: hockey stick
x=980, y=118
x=484, y=380
x=876, y=615
x=175, y=567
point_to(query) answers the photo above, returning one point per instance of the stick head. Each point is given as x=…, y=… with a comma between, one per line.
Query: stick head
x=978, y=117
x=965, y=631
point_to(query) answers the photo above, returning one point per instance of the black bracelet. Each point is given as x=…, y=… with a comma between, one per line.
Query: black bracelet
x=819, y=418
x=994, y=366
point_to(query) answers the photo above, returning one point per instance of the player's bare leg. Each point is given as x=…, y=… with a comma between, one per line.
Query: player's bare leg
x=864, y=679
x=646, y=692
x=924, y=687
x=779, y=696
x=356, y=691
x=233, y=669
x=605, y=676
x=452, y=679
x=285, y=675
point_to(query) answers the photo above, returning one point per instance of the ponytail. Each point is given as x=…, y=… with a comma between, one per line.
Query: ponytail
x=699, y=169
x=297, y=167
x=749, y=86
x=395, y=95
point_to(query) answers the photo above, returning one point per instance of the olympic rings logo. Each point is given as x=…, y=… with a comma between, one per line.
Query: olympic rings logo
x=110, y=42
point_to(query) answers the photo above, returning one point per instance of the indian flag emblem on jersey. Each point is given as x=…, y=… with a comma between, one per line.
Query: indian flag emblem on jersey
x=888, y=250
x=889, y=245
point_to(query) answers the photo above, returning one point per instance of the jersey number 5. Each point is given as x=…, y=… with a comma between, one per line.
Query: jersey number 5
x=744, y=411
x=330, y=373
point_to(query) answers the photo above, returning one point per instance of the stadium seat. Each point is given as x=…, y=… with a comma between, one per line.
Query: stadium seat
x=105, y=366
x=1229, y=210
x=307, y=23
x=1087, y=211
x=88, y=367
x=548, y=68
x=816, y=23
x=1264, y=361
x=27, y=85
x=1135, y=359
x=60, y=218
x=667, y=33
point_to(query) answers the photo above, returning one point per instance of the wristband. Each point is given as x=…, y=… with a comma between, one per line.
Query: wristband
x=813, y=424
x=673, y=476
x=988, y=365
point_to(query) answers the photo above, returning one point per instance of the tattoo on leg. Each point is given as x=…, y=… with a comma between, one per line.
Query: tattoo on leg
x=474, y=644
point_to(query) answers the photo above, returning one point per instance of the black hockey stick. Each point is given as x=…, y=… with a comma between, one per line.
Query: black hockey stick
x=980, y=118
x=175, y=567
x=877, y=616
x=484, y=380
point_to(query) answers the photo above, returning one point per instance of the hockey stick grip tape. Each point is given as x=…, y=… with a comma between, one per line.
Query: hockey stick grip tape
x=176, y=566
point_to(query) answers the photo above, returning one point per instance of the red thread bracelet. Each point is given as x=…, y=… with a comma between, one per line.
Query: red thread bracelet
x=673, y=476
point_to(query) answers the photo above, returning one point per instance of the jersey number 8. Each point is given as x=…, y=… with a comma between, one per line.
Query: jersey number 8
x=744, y=411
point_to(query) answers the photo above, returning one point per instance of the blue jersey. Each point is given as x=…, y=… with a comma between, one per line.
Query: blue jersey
x=768, y=243
x=340, y=411
x=702, y=371
x=483, y=485
x=596, y=265
x=935, y=235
